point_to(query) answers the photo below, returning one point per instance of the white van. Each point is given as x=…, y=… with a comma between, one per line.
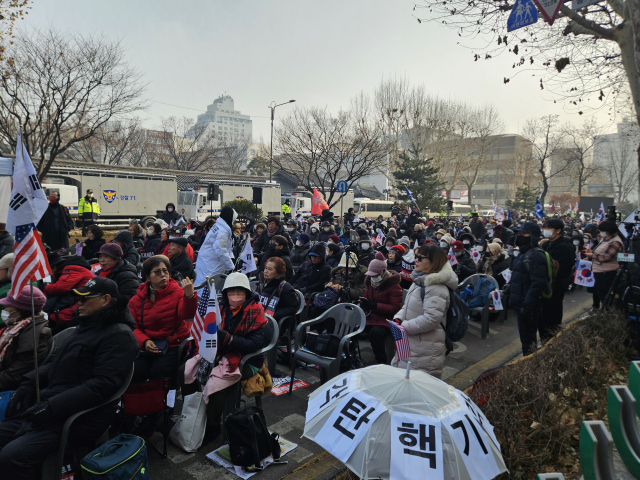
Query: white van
x=68, y=195
x=373, y=208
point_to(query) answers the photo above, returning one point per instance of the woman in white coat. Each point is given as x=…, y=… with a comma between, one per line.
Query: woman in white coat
x=422, y=318
x=214, y=256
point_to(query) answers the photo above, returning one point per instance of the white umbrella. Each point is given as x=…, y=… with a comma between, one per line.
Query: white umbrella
x=384, y=424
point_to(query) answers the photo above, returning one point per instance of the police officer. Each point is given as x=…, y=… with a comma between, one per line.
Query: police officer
x=88, y=211
x=286, y=209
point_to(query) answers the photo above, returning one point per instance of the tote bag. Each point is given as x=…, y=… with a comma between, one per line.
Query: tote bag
x=188, y=432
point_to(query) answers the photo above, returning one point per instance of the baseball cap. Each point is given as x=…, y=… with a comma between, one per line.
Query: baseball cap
x=457, y=246
x=97, y=285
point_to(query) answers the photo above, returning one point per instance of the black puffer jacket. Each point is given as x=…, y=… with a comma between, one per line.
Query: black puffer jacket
x=465, y=267
x=324, y=236
x=527, y=285
x=282, y=253
x=7, y=243
x=288, y=303
x=91, y=247
x=477, y=228
x=152, y=242
x=168, y=216
x=395, y=266
x=310, y=276
x=262, y=243
x=563, y=253
x=95, y=362
x=182, y=264
x=299, y=254
x=129, y=252
x=126, y=276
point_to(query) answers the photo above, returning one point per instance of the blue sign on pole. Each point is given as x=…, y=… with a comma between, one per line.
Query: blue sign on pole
x=342, y=186
x=524, y=13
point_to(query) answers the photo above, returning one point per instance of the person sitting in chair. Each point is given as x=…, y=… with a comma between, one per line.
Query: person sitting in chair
x=90, y=369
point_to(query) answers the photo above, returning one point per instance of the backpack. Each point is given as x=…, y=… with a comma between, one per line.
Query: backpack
x=552, y=269
x=125, y=456
x=476, y=295
x=457, y=318
x=248, y=437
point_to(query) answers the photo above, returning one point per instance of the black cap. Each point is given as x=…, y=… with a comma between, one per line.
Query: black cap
x=531, y=228
x=326, y=223
x=292, y=222
x=97, y=285
x=183, y=242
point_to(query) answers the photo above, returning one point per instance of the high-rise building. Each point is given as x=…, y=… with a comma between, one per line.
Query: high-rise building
x=224, y=120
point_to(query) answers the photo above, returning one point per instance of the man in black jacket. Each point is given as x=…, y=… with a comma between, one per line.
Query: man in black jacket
x=563, y=253
x=314, y=273
x=55, y=224
x=92, y=367
x=529, y=280
x=180, y=261
x=465, y=266
x=476, y=225
x=170, y=215
x=273, y=228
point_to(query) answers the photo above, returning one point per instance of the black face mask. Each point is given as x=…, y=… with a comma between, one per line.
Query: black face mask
x=522, y=240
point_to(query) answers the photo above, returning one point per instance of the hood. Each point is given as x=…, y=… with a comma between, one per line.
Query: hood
x=394, y=279
x=445, y=277
x=73, y=260
x=229, y=215
x=125, y=238
x=170, y=205
x=468, y=236
x=123, y=266
x=320, y=249
x=282, y=252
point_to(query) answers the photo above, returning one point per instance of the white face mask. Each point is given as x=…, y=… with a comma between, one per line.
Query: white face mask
x=547, y=233
x=314, y=229
x=466, y=242
x=576, y=242
x=291, y=229
x=457, y=254
x=326, y=229
x=364, y=246
x=586, y=240
x=5, y=316
x=439, y=236
x=444, y=244
x=170, y=209
x=299, y=243
x=376, y=279
x=516, y=253
x=480, y=249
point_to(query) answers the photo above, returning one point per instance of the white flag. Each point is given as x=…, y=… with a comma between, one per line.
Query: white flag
x=248, y=261
x=380, y=238
x=582, y=219
x=28, y=201
x=205, y=325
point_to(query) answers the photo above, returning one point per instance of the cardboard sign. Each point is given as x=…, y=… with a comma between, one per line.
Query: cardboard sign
x=416, y=447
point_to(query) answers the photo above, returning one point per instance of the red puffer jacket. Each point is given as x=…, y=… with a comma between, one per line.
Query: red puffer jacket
x=170, y=310
x=388, y=297
x=69, y=277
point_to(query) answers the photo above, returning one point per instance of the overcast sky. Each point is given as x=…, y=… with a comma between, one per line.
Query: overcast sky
x=318, y=53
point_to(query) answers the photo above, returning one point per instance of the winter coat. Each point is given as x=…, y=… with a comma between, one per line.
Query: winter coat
x=310, y=276
x=262, y=243
x=91, y=248
x=93, y=365
x=7, y=242
x=282, y=253
x=563, y=253
x=333, y=260
x=288, y=302
x=162, y=246
x=214, y=256
x=299, y=254
x=18, y=360
x=151, y=242
x=465, y=267
x=182, y=265
x=395, y=266
x=477, y=229
x=419, y=236
x=294, y=236
x=138, y=241
x=365, y=256
x=55, y=225
x=164, y=318
x=74, y=273
x=129, y=252
x=168, y=216
x=388, y=299
x=499, y=265
x=126, y=277
x=345, y=238
x=421, y=320
x=324, y=236
x=527, y=285
x=356, y=281
x=508, y=236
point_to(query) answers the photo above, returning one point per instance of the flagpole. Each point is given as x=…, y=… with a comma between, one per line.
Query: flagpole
x=35, y=345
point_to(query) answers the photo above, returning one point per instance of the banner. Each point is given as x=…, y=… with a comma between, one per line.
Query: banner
x=416, y=447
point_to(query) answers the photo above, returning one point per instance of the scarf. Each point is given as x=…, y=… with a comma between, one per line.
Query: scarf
x=106, y=271
x=269, y=234
x=9, y=334
x=415, y=275
x=487, y=265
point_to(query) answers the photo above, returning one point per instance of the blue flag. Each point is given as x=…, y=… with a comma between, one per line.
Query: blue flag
x=409, y=195
x=508, y=213
x=539, y=209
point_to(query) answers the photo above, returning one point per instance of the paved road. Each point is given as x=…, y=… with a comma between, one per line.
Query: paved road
x=285, y=414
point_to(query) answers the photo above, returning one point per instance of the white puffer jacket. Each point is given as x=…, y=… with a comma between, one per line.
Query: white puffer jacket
x=422, y=321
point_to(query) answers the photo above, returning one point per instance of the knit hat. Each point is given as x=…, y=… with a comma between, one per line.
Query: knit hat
x=334, y=238
x=392, y=232
x=457, y=246
x=399, y=249
x=447, y=239
x=7, y=262
x=361, y=232
x=23, y=302
x=405, y=242
x=377, y=266
x=304, y=238
x=111, y=249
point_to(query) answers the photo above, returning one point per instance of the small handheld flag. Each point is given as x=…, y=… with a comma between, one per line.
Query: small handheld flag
x=400, y=338
x=248, y=260
x=204, y=328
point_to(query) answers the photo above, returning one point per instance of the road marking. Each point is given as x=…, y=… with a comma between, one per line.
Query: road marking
x=314, y=467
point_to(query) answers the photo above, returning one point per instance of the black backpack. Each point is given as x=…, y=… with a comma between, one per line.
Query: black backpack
x=248, y=437
x=457, y=318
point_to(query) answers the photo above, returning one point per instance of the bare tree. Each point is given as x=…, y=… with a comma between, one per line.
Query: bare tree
x=231, y=152
x=546, y=138
x=319, y=149
x=181, y=145
x=10, y=12
x=581, y=142
x=62, y=88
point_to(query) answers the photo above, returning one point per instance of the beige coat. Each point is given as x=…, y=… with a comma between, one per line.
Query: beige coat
x=421, y=320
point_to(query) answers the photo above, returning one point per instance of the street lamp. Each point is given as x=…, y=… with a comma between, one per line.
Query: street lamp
x=273, y=109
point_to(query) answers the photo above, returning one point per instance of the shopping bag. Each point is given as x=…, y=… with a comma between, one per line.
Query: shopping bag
x=188, y=432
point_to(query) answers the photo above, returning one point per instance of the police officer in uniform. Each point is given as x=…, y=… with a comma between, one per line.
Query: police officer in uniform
x=88, y=211
x=286, y=209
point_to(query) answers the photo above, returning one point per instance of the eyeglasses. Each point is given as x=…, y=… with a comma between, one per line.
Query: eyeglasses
x=162, y=272
x=89, y=297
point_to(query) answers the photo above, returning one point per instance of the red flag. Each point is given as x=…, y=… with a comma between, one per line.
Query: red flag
x=318, y=203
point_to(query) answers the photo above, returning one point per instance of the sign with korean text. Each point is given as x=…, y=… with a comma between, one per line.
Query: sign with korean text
x=549, y=9
x=478, y=416
x=330, y=392
x=416, y=447
x=348, y=424
x=626, y=257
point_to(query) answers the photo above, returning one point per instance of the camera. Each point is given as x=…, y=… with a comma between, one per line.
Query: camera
x=351, y=247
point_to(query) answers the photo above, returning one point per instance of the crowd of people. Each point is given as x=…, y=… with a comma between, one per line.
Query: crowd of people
x=131, y=300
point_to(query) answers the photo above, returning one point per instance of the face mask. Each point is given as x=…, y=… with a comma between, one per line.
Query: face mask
x=5, y=316
x=376, y=279
x=90, y=195
x=314, y=230
x=466, y=242
x=547, y=233
x=364, y=246
x=586, y=239
x=236, y=300
x=291, y=229
x=480, y=249
x=457, y=254
x=53, y=200
x=576, y=242
x=516, y=253
x=170, y=209
x=439, y=236
x=326, y=229
x=402, y=231
x=299, y=243
x=444, y=244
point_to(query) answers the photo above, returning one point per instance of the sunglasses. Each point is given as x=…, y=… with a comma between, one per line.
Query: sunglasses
x=419, y=258
x=89, y=297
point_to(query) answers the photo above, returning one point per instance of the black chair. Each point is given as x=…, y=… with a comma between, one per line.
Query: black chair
x=483, y=311
x=52, y=466
x=286, y=333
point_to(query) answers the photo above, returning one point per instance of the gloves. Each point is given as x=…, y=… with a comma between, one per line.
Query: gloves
x=223, y=335
x=368, y=304
x=303, y=290
x=526, y=314
x=22, y=398
x=40, y=414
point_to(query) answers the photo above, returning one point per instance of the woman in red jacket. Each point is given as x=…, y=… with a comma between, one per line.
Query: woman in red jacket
x=382, y=300
x=160, y=309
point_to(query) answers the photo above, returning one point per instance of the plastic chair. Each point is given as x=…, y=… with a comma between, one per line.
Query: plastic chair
x=218, y=281
x=483, y=311
x=52, y=466
x=288, y=334
x=350, y=321
x=182, y=357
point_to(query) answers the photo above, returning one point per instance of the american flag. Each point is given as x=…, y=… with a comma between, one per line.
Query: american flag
x=400, y=338
x=204, y=326
x=30, y=260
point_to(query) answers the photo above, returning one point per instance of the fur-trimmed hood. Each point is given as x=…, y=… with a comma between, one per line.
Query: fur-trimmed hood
x=445, y=277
